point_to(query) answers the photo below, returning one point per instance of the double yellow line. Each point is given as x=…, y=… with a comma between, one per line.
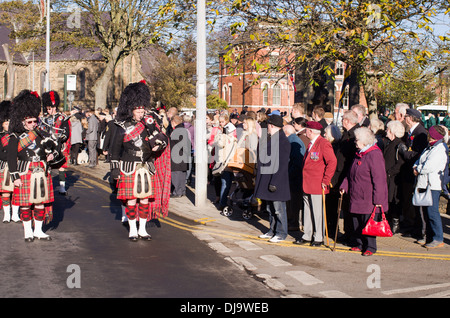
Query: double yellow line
x=241, y=236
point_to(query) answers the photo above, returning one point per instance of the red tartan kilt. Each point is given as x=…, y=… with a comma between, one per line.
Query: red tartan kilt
x=21, y=195
x=125, y=186
x=1, y=180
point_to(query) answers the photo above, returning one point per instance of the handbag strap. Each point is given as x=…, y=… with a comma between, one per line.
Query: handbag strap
x=374, y=211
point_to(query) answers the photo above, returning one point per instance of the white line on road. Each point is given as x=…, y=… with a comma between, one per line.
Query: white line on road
x=275, y=260
x=271, y=282
x=219, y=247
x=414, y=289
x=248, y=246
x=304, y=278
x=334, y=294
x=242, y=263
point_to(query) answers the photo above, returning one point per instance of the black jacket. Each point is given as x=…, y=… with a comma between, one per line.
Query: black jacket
x=180, y=148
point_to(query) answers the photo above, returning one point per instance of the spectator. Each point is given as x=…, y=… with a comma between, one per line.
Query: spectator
x=180, y=147
x=91, y=137
x=298, y=110
x=319, y=165
x=429, y=170
x=333, y=135
x=226, y=175
x=377, y=127
x=416, y=142
x=346, y=156
x=360, y=111
x=187, y=122
x=367, y=188
x=294, y=206
x=317, y=115
x=400, y=113
x=393, y=163
x=76, y=137
x=299, y=124
x=272, y=179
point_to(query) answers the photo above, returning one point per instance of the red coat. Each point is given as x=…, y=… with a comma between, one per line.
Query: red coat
x=319, y=165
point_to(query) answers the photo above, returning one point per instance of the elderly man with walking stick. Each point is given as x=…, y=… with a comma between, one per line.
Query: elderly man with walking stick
x=319, y=165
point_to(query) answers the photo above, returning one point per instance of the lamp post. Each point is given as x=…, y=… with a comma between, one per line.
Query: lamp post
x=201, y=162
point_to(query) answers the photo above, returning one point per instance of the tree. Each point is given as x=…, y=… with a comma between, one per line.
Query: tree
x=412, y=86
x=173, y=78
x=374, y=38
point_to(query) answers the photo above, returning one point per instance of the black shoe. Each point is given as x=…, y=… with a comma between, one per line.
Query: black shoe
x=133, y=238
x=316, y=244
x=175, y=196
x=146, y=237
x=302, y=242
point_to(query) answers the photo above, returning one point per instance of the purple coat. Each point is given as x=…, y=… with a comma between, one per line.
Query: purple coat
x=366, y=182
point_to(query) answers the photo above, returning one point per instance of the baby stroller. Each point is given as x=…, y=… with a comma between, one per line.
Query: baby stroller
x=244, y=175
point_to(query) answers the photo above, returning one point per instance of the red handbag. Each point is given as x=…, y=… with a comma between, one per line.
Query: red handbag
x=374, y=228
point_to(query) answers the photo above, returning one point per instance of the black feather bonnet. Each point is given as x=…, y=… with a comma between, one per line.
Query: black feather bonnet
x=26, y=104
x=135, y=95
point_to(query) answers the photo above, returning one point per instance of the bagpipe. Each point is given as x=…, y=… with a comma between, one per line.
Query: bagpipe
x=57, y=135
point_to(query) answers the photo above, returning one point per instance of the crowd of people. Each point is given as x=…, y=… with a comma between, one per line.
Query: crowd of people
x=297, y=167
x=305, y=164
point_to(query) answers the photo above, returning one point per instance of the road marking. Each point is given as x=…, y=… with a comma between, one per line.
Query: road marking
x=271, y=282
x=248, y=246
x=444, y=294
x=274, y=260
x=304, y=278
x=334, y=294
x=219, y=247
x=414, y=289
x=203, y=236
x=204, y=220
x=242, y=263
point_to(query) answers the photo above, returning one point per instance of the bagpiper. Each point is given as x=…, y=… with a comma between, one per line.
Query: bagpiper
x=29, y=151
x=10, y=212
x=58, y=125
x=135, y=145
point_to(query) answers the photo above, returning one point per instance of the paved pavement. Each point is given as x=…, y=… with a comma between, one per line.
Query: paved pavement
x=210, y=216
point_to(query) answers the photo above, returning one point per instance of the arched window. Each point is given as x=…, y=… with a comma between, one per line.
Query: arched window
x=230, y=95
x=265, y=94
x=276, y=97
x=224, y=93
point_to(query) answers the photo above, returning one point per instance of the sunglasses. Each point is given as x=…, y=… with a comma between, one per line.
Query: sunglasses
x=30, y=121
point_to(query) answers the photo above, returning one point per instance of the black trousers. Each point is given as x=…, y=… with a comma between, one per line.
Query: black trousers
x=364, y=242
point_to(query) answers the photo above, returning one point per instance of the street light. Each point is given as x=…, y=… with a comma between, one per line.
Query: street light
x=201, y=167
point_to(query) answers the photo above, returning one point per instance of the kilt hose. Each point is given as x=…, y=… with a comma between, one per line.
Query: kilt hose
x=21, y=195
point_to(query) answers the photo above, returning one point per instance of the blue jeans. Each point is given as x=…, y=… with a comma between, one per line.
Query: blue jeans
x=278, y=218
x=434, y=231
x=226, y=178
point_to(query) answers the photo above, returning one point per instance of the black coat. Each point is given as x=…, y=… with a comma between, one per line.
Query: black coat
x=393, y=163
x=276, y=174
x=415, y=143
x=180, y=147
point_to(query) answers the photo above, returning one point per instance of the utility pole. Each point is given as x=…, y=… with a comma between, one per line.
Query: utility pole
x=201, y=158
x=47, y=51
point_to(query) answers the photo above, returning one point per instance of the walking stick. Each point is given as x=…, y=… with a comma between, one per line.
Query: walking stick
x=337, y=223
x=325, y=216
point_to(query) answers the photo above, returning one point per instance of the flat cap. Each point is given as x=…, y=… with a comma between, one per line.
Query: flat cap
x=413, y=113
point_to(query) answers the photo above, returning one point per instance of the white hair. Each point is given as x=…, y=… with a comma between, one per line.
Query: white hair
x=365, y=136
x=396, y=127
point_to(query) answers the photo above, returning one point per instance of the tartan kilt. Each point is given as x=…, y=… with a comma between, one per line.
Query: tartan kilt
x=125, y=186
x=66, y=153
x=2, y=178
x=21, y=195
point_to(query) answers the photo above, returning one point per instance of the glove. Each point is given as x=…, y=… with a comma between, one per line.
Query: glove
x=402, y=149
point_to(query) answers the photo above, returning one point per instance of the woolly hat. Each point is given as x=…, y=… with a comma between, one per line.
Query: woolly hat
x=135, y=95
x=5, y=111
x=50, y=99
x=25, y=105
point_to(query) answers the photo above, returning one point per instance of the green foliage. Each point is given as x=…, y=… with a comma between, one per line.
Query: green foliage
x=213, y=101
